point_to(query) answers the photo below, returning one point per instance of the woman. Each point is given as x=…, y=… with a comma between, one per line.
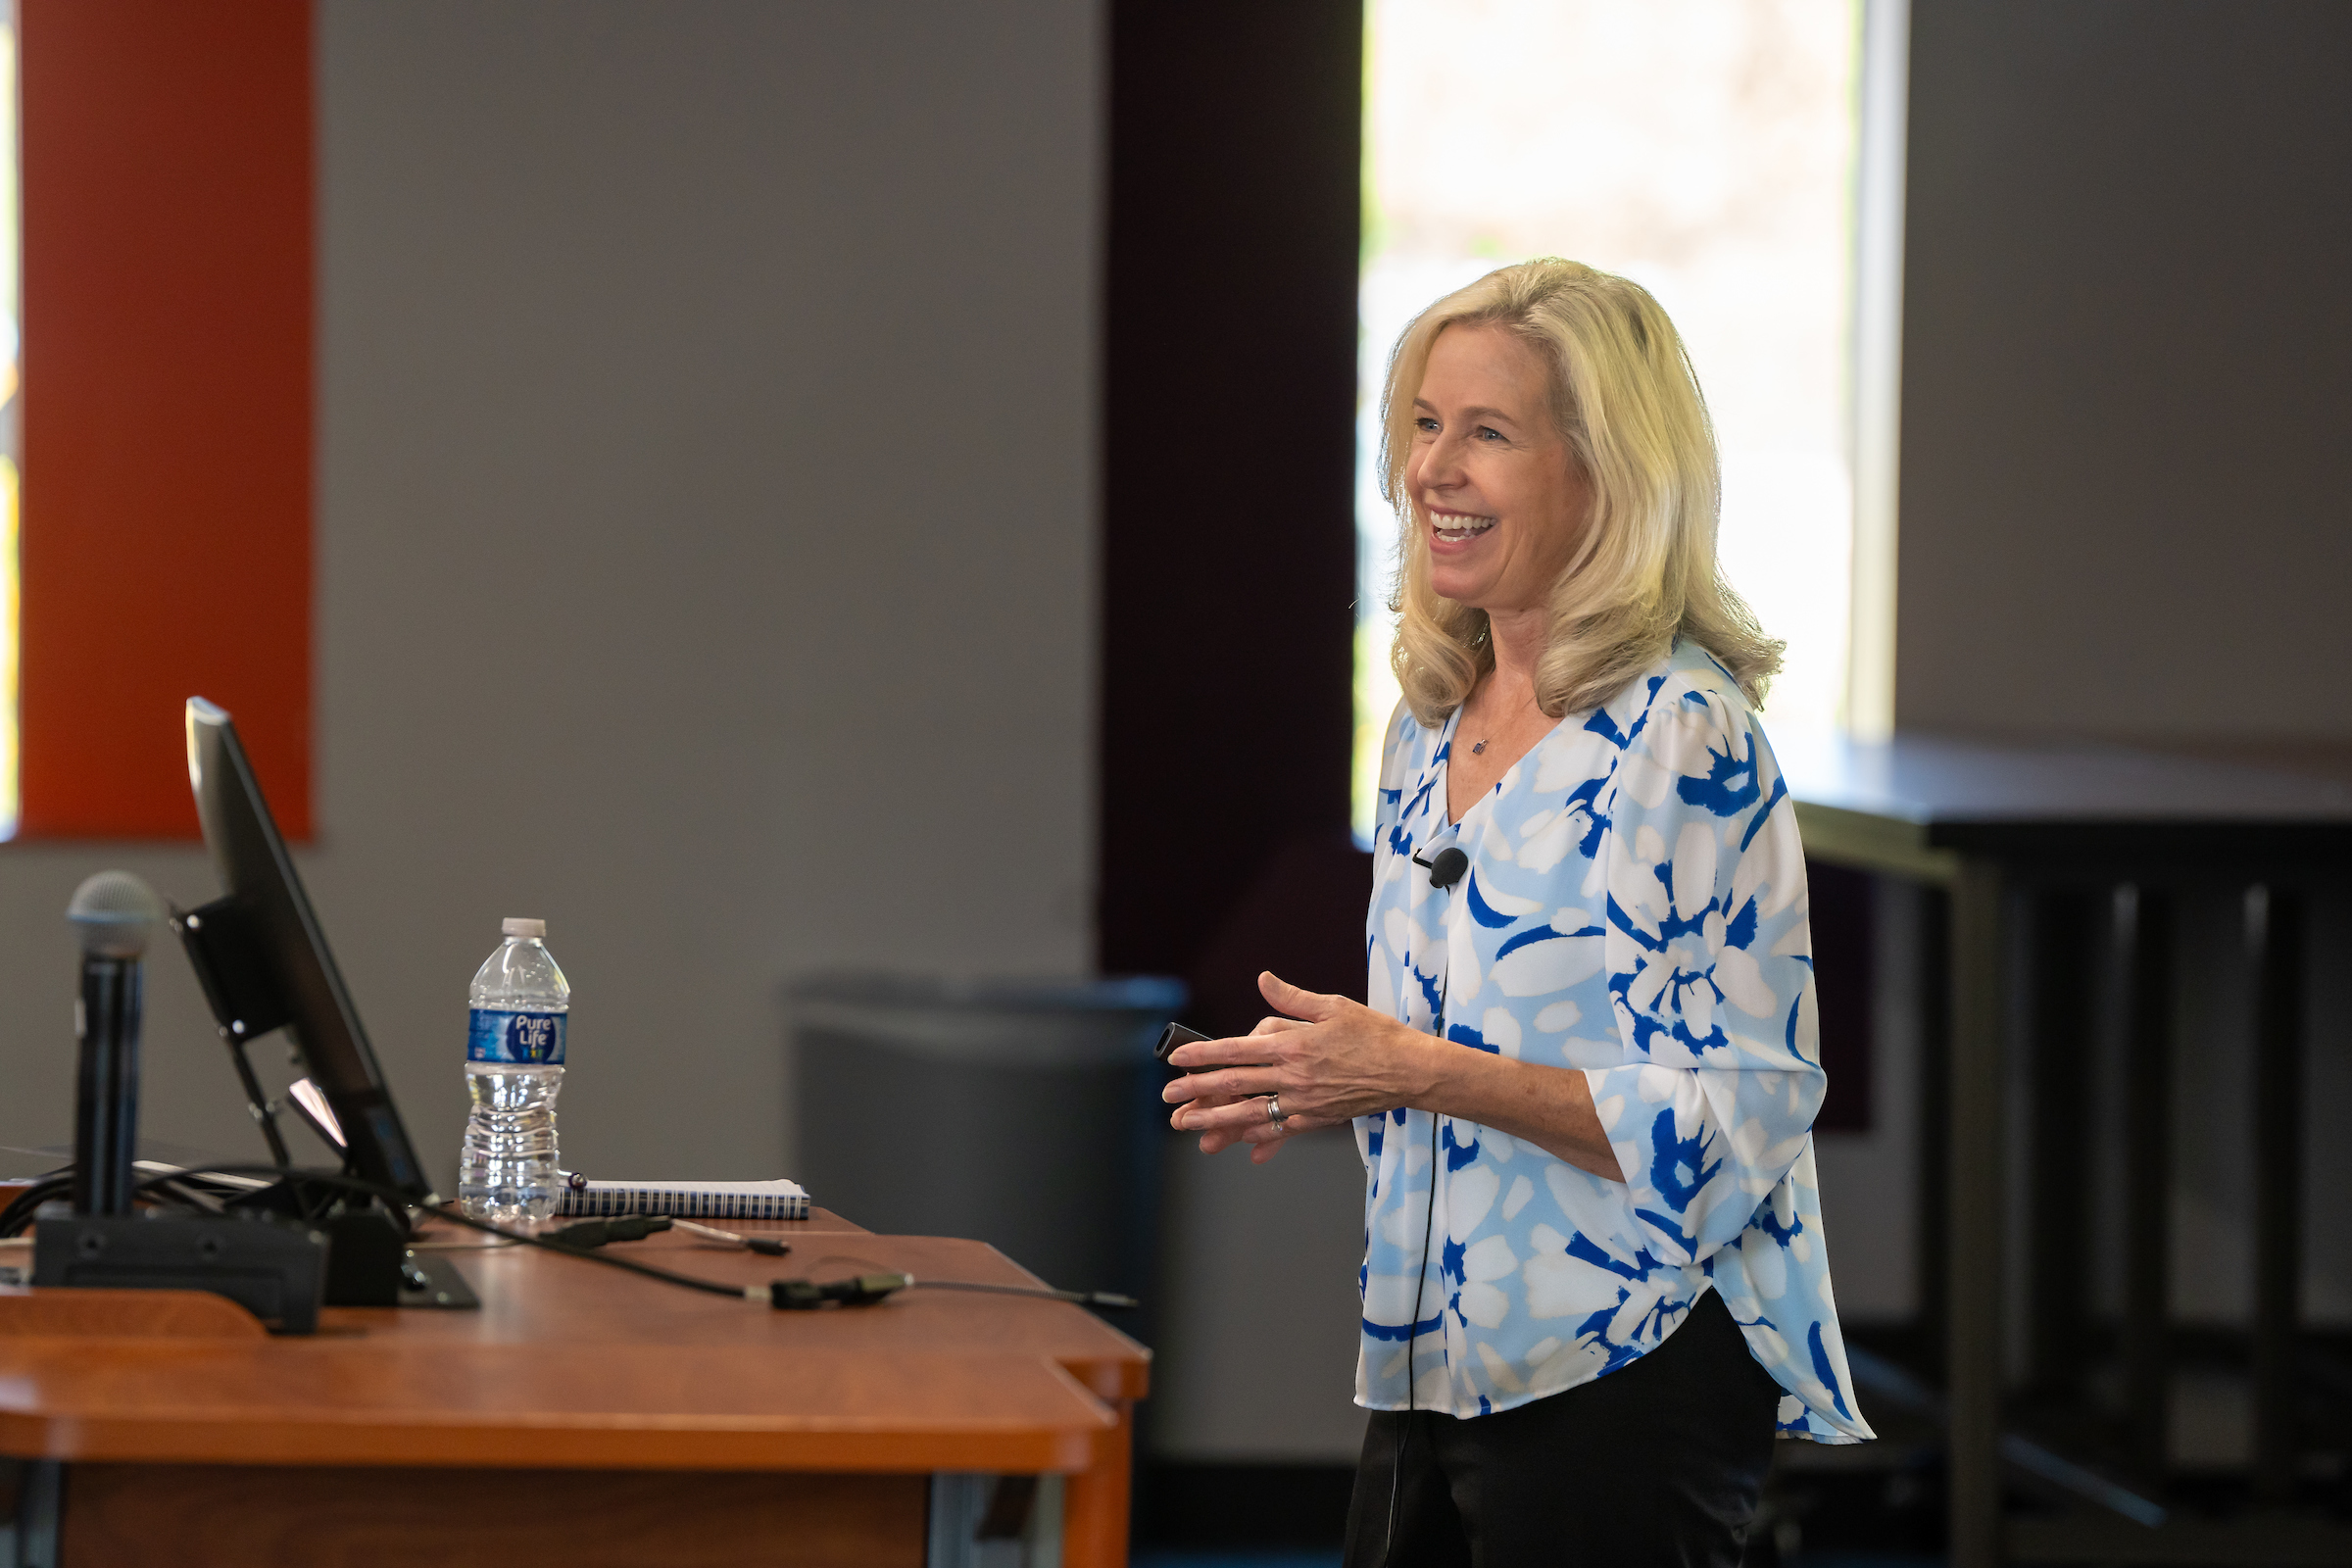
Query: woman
x=1595, y=1281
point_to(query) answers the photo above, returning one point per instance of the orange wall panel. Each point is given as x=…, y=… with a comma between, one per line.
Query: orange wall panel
x=165, y=544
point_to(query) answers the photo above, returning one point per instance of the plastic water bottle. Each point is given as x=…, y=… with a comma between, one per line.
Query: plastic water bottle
x=514, y=1070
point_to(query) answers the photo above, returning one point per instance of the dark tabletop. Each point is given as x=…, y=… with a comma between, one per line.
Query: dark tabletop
x=1911, y=802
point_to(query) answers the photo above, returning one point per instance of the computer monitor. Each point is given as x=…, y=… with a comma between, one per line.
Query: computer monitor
x=265, y=963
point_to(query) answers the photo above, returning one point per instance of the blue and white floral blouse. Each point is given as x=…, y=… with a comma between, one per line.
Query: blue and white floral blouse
x=1634, y=906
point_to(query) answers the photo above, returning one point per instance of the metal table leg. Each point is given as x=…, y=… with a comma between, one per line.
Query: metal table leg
x=2063, y=965
x=2147, y=1180
x=1933, y=1205
x=1973, y=1282
x=37, y=1530
x=2275, y=926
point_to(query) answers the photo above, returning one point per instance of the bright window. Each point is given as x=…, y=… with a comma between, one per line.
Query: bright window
x=1708, y=150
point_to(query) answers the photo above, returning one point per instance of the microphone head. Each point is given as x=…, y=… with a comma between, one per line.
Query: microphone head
x=1446, y=868
x=114, y=913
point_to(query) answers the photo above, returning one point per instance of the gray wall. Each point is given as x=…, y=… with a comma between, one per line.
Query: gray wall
x=705, y=491
x=2127, y=386
x=2127, y=369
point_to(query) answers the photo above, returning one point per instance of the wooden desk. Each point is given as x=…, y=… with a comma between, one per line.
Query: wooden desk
x=2041, y=832
x=582, y=1416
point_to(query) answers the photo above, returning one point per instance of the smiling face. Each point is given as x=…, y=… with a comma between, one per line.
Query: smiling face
x=1497, y=492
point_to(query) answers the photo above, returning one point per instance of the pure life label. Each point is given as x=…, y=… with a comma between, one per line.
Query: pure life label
x=522, y=1039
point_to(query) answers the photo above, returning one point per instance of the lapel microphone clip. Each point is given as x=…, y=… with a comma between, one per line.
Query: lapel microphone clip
x=1446, y=869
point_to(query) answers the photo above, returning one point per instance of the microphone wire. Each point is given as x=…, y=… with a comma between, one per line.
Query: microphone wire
x=1412, y=1331
x=1429, y=1220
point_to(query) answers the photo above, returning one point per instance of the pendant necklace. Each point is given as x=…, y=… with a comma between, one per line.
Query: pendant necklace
x=1487, y=634
x=1481, y=746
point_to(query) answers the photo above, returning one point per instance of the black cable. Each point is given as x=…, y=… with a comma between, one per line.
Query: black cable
x=25, y=1205
x=781, y=1293
x=451, y=1211
x=865, y=1290
x=613, y=1259
x=604, y=1232
x=1110, y=1300
x=1412, y=1331
x=20, y=1208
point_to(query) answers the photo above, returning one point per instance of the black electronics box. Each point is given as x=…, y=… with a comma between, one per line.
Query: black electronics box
x=274, y=1268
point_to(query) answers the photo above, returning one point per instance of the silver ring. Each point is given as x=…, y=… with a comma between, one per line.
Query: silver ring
x=1274, y=1110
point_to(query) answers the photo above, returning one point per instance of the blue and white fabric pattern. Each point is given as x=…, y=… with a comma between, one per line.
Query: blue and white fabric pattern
x=1634, y=906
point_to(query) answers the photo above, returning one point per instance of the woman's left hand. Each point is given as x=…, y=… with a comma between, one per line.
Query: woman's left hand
x=1330, y=1060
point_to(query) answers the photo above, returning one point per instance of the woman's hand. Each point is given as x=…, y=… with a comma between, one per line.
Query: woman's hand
x=1329, y=1061
x=1337, y=1060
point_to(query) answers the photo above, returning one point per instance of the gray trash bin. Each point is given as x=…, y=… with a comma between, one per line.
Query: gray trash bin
x=1023, y=1113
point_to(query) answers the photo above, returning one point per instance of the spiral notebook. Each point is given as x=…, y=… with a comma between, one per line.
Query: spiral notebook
x=778, y=1200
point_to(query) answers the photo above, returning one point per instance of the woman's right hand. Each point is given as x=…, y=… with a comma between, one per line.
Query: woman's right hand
x=1219, y=1139
x=1336, y=1060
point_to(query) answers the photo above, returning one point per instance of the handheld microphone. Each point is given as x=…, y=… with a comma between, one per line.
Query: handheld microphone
x=114, y=913
x=1446, y=869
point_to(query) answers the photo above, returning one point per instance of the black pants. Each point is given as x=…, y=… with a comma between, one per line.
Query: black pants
x=1658, y=1464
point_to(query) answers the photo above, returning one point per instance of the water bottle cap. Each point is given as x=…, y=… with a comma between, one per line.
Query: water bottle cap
x=514, y=928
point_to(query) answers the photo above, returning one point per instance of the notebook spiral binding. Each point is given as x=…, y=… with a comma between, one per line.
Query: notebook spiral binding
x=779, y=1199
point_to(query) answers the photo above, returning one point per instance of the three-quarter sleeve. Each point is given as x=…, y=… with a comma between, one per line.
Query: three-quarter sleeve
x=1709, y=963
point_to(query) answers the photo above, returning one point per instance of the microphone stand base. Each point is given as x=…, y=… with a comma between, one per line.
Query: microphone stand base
x=274, y=1269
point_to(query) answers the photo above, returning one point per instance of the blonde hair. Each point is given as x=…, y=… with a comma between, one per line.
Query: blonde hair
x=1626, y=402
